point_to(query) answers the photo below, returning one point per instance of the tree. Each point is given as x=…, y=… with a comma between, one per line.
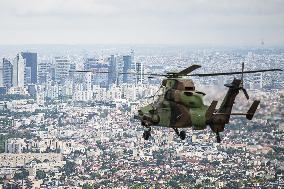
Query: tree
x=69, y=167
x=22, y=174
x=40, y=174
x=173, y=184
x=137, y=186
x=87, y=186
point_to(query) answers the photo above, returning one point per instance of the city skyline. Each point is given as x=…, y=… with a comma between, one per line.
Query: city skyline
x=148, y=22
x=77, y=129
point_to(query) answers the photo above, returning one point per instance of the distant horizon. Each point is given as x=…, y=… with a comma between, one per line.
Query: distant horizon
x=148, y=44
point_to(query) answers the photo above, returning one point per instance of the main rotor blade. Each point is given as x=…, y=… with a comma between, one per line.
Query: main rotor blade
x=147, y=74
x=188, y=70
x=87, y=71
x=233, y=73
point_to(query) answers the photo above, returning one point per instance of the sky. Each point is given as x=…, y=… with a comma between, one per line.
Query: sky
x=178, y=22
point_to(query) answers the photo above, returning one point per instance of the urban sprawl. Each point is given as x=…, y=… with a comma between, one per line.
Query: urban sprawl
x=62, y=128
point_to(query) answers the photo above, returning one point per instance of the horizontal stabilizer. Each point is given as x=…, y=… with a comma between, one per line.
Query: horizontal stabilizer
x=211, y=110
x=252, y=109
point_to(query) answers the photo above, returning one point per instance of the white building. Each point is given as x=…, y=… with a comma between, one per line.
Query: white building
x=18, y=78
x=40, y=95
x=52, y=91
x=62, y=68
x=82, y=95
x=15, y=145
x=44, y=72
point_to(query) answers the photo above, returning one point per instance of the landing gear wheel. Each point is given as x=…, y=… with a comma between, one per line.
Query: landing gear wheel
x=146, y=135
x=182, y=135
x=218, y=138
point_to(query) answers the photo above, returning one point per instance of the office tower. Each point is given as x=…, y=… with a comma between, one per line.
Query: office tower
x=28, y=76
x=90, y=63
x=7, y=73
x=101, y=78
x=112, y=70
x=18, y=78
x=139, y=72
x=72, y=70
x=62, y=68
x=31, y=67
x=126, y=67
x=44, y=72
x=97, y=66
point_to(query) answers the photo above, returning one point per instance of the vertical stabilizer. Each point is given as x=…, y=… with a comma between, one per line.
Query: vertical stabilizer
x=252, y=109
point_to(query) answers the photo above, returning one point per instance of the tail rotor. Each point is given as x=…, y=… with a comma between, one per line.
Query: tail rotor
x=242, y=82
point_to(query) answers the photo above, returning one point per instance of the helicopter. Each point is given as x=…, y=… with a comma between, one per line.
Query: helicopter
x=181, y=105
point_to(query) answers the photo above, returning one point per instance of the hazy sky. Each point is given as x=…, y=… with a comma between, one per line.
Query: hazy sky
x=213, y=22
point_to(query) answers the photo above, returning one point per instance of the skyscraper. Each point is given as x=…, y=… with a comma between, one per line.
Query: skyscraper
x=44, y=72
x=127, y=62
x=18, y=77
x=7, y=73
x=62, y=67
x=112, y=70
x=90, y=63
x=139, y=72
x=31, y=67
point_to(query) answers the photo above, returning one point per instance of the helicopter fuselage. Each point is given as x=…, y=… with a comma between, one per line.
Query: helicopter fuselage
x=178, y=109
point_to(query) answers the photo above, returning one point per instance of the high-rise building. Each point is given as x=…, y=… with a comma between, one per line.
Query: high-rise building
x=44, y=72
x=31, y=67
x=127, y=62
x=18, y=78
x=139, y=72
x=28, y=76
x=112, y=70
x=90, y=63
x=97, y=66
x=62, y=68
x=7, y=72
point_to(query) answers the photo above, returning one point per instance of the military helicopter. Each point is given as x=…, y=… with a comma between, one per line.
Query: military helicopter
x=181, y=105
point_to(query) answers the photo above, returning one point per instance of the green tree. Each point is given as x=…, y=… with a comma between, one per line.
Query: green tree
x=173, y=184
x=87, y=186
x=40, y=174
x=22, y=174
x=69, y=167
x=137, y=186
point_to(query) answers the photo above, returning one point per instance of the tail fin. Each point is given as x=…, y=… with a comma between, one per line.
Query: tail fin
x=252, y=109
x=229, y=100
x=211, y=109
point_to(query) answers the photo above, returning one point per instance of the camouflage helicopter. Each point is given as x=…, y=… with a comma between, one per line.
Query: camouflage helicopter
x=181, y=105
